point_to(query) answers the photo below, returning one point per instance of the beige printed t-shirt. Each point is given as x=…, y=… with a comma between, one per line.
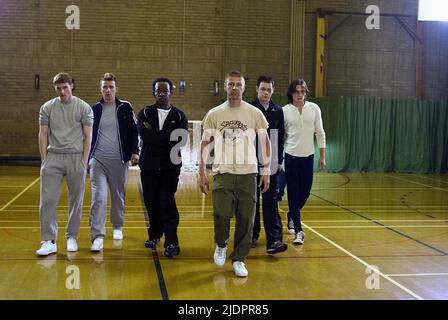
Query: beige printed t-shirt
x=233, y=130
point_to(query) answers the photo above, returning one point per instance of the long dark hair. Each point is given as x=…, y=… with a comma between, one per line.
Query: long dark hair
x=292, y=88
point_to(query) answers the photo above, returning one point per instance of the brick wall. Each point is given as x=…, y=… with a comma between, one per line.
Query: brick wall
x=197, y=41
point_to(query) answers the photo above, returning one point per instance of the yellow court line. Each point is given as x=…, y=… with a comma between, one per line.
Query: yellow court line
x=17, y=196
x=366, y=264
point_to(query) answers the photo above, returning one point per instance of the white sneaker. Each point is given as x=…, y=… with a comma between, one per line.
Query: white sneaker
x=118, y=234
x=220, y=256
x=72, y=246
x=97, y=245
x=46, y=248
x=300, y=238
x=290, y=225
x=240, y=269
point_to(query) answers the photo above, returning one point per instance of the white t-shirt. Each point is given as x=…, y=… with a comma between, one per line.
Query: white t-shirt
x=300, y=129
x=234, y=130
x=162, y=116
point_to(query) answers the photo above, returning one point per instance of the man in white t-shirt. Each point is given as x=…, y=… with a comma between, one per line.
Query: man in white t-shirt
x=233, y=127
x=302, y=121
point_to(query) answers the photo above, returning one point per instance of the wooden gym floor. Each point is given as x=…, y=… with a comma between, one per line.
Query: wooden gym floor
x=394, y=224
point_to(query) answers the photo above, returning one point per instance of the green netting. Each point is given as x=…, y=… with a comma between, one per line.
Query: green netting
x=378, y=135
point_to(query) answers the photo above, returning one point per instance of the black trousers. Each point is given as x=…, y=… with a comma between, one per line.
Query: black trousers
x=299, y=179
x=159, y=188
x=271, y=219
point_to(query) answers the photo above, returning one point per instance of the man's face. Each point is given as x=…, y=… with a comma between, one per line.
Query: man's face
x=234, y=87
x=64, y=91
x=264, y=92
x=108, y=90
x=299, y=95
x=162, y=93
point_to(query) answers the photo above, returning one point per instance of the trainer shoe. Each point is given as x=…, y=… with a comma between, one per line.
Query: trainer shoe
x=152, y=243
x=290, y=225
x=220, y=256
x=300, y=238
x=240, y=269
x=97, y=244
x=277, y=247
x=171, y=251
x=118, y=234
x=46, y=248
x=72, y=246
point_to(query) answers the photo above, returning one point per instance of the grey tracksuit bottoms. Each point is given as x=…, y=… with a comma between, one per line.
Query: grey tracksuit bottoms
x=104, y=172
x=53, y=169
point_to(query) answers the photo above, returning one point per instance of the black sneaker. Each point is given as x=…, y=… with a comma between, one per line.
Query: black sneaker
x=152, y=243
x=171, y=251
x=254, y=243
x=277, y=247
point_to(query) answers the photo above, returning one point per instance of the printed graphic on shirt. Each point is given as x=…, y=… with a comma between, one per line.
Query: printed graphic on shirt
x=233, y=131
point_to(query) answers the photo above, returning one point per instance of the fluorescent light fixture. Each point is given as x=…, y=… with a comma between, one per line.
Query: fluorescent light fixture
x=433, y=10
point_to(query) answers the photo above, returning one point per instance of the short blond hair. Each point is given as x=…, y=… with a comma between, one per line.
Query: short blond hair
x=235, y=73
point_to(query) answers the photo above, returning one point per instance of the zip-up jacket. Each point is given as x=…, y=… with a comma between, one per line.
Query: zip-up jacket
x=276, y=120
x=157, y=145
x=127, y=128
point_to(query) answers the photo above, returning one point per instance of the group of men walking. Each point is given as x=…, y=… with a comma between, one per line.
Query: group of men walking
x=245, y=144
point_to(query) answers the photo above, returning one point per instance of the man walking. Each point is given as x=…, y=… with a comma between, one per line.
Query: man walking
x=303, y=121
x=162, y=128
x=271, y=218
x=114, y=144
x=65, y=134
x=233, y=127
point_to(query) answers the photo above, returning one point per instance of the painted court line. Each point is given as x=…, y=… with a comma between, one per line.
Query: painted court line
x=432, y=179
x=381, y=224
x=417, y=274
x=366, y=264
x=12, y=186
x=17, y=196
x=211, y=227
x=363, y=188
x=283, y=221
x=421, y=184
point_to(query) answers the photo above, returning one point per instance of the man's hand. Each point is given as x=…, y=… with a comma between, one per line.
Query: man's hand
x=86, y=164
x=264, y=183
x=134, y=159
x=203, y=183
x=321, y=164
